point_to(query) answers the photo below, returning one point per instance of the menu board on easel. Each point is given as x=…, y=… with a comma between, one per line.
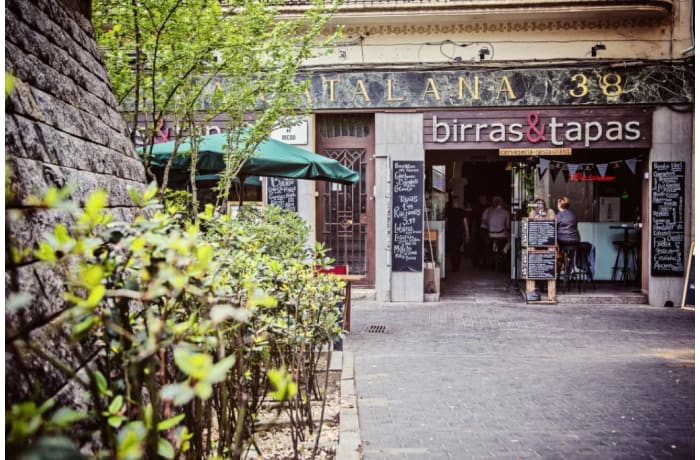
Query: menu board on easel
x=667, y=218
x=407, y=217
x=539, y=257
x=541, y=232
x=282, y=192
x=541, y=264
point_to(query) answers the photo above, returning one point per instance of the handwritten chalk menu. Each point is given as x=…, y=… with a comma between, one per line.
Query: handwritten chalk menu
x=541, y=232
x=282, y=192
x=407, y=216
x=541, y=264
x=667, y=218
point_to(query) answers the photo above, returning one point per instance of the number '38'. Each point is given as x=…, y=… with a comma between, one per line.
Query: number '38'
x=611, y=84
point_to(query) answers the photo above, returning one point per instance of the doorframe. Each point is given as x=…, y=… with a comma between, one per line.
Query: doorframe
x=369, y=145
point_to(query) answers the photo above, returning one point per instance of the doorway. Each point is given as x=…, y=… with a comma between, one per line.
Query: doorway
x=345, y=213
x=469, y=176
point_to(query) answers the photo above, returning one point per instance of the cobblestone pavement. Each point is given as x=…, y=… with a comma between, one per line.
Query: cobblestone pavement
x=499, y=379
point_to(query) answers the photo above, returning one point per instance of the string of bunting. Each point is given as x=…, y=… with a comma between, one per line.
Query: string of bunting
x=588, y=169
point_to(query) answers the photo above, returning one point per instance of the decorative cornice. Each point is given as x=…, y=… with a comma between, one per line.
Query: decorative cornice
x=505, y=27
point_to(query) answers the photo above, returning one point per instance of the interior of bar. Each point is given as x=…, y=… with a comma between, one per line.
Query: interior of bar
x=604, y=189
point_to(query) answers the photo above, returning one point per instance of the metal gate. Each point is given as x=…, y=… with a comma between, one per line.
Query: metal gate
x=345, y=226
x=345, y=213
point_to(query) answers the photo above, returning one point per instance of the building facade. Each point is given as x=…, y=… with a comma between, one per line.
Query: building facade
x=521, y=99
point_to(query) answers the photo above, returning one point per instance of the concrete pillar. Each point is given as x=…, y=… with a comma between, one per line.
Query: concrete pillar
x=398, y=137
x=671, y=141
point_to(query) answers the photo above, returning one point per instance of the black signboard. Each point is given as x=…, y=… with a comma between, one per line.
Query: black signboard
x=541, y=264
x=667, y=218
x=282, y=192
x=541, y=232
x=407, y=217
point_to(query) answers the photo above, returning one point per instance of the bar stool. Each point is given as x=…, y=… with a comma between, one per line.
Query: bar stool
x=567, y=252
x=582, y=270
x=625, y=261
x=498, y=258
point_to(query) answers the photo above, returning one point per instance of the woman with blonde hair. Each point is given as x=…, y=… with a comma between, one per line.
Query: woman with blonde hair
x=567, y=225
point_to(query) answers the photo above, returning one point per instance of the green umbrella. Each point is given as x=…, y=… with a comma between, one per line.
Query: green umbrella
x=271, y=158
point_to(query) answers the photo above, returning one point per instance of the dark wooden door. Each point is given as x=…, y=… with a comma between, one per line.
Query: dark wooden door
x=345, y=213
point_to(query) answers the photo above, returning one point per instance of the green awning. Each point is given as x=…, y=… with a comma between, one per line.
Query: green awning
x=271, y=158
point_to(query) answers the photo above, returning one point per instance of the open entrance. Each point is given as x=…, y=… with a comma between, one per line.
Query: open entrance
x=469, y=181
x=605, y=191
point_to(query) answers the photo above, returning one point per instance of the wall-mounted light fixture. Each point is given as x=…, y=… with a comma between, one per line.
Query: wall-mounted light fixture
x=483, y=52
x=597, y=47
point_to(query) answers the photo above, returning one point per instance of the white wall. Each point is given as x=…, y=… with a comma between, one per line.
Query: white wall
x=672, y=141
x=398, y=137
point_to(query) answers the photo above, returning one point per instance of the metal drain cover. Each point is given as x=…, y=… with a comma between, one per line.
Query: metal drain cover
x=376, y=329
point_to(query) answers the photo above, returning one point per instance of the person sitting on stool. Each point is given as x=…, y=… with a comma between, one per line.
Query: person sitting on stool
x=567, y=231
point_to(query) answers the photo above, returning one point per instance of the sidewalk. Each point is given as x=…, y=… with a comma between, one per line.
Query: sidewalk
x=500, y=379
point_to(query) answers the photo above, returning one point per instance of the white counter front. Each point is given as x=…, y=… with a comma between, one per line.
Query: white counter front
x=601, y=236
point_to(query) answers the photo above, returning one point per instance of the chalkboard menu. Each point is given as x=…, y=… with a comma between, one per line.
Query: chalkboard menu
x=541, y=264
x=407, y=217
x=282, y=192
x=667, y=218
x=541, y=232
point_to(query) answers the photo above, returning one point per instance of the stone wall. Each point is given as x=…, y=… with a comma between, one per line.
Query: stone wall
x=62, y=126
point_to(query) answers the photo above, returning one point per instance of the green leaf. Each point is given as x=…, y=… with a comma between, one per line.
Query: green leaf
x=96, y=295
x=165, y=449
x=150, y=191
x=91, y=275
x=223, y=312
x=195, y=365
x=219, y=370
x=115, y=421
x=101, y=382
x=179, y=393
x=95, y=204
x=61, y=234
x=64, y=417
x=148, y=415
x=203, y=390
x=171, y=422
x=9, y=84
x=283, y=385
x=130, y=441
x=116, y=404
x=84, y=326
x=45, y=252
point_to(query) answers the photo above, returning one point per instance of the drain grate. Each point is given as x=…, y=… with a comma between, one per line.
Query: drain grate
x=376, y=329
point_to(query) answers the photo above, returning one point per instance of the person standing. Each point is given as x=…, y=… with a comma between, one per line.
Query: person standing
x=540, y=210
x=480, y=231
x=457, y=233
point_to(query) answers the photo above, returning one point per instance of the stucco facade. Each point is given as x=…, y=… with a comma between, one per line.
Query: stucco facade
x=399, y=63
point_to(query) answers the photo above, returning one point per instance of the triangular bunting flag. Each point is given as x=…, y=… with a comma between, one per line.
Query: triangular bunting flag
x=544, y=165
x=554, y=169
x=602, y=169
x=632, y=164
x=572, y=167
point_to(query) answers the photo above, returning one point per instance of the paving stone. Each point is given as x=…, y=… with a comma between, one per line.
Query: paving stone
x=502, y=379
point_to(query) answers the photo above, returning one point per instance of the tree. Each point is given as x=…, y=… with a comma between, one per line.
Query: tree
x=189, y=61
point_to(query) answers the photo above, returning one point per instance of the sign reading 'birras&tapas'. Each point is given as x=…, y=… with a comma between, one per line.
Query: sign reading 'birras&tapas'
x=541, y=129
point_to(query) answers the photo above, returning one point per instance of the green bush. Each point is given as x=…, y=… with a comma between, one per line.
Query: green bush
x=197, y=322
